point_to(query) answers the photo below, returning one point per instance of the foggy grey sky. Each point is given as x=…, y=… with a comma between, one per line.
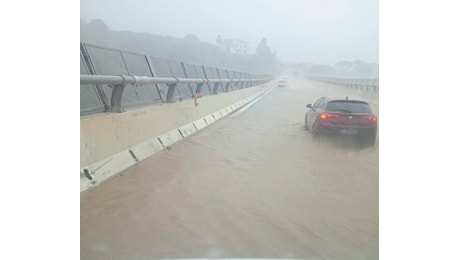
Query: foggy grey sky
x=320, y=31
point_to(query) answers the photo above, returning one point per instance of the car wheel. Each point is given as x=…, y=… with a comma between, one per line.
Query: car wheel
x=370, y=139
x=314, y=131
x=306, y=124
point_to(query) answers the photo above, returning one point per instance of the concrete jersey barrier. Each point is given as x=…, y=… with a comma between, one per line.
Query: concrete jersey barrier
x=110, y=143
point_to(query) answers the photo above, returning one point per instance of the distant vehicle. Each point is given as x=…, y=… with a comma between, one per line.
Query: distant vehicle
x=283, y=82
x=342, y=117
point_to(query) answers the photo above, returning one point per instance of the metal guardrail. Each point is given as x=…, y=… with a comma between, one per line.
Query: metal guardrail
x=108, y=73
x=118, y=84
x=143, y=80
x=363, y=84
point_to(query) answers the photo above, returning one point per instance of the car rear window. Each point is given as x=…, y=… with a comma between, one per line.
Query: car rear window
x=349, y=106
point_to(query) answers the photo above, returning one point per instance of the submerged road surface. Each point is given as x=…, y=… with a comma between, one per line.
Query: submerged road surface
x=253, y=185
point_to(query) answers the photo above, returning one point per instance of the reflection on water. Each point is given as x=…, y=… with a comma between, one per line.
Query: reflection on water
x=255, y=185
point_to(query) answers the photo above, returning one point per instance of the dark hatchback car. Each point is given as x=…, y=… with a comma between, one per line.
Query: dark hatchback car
x=342, y=117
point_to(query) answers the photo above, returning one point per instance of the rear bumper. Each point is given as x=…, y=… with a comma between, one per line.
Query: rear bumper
x=346, y=130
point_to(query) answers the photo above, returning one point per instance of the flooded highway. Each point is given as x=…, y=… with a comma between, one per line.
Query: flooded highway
x=255, y=184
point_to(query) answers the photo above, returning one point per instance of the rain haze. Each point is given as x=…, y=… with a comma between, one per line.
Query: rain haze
x=229, y=129
x=318, y=31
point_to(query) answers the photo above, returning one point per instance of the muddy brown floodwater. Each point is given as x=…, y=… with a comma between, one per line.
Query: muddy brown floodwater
x=252, y=185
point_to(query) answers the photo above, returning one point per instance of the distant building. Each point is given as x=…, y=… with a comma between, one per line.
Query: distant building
x=233, y=46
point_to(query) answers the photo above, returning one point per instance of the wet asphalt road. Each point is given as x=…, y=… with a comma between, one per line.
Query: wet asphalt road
x=253, y=185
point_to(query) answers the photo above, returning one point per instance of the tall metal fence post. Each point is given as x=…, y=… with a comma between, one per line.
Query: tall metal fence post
x=206, y=76
x=152, y=71
x=187, y=76
x=92, y=71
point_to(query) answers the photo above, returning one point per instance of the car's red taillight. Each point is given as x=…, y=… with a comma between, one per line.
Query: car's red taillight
x=373, y=118
x=327, y=115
